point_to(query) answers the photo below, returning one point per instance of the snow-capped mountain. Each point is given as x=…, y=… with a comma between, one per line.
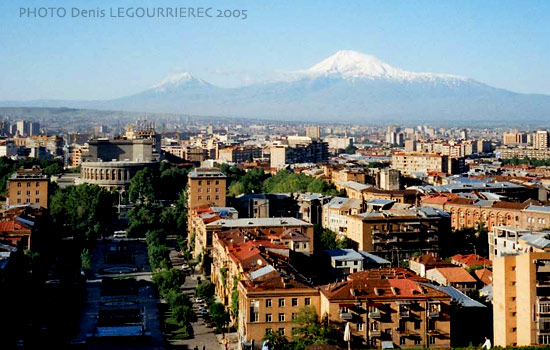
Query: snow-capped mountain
x=178, y=80
x=348, y=64
x=347, y=86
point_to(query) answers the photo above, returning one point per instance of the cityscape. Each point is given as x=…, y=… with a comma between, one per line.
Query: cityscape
x=330, y=200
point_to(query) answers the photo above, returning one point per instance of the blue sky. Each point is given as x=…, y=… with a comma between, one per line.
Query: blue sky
x=502, y=43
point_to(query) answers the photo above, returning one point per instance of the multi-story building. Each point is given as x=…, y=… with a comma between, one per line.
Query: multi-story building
x=28, y=186
x=389, y=305
x=453, y=276
x=521, y=302
x=506, y=240
x=268, y=303
x=517, y=152
x=313, y=152
x=337, y=211
x=313, y=131
x=207, y=187
x=239, y=154
x=397, y=234
x=541, y=139
x=514, y=138
x=470, y=213
x=7, y=149
x=389, y=179
x=419, y=162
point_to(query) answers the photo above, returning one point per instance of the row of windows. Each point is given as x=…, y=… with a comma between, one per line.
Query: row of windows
x=208, y=190
x=28, y=200
x=19, y=184
x=293, y=302
x=28, y=193
x=208, y=198
x=208, y=182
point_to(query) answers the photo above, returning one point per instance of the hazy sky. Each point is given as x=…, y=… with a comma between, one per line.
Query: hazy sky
x=502, y=43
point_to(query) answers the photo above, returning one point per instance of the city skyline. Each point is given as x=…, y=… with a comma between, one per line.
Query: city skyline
x=503, y=44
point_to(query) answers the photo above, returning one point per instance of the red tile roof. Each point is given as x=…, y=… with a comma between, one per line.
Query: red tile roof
x=471, y=260
x=455, y=274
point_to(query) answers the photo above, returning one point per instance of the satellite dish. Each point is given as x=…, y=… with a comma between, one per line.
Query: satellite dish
x=259, y=261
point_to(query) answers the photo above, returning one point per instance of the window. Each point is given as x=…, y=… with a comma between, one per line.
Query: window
x=416, y=324
x=268, y=318
x=208, y=190
x=293, y=316
x=207, y=198
x=281, y=331
x=417, y=341
x=37, y=184
x=37, y=200
x=28, y=193
x=217, y=190
x=19, y=184
x=208, y=182
x=294, y=301
x=37, y=192
x=28, y=184
x=199, y=198
x=217, y=182
x=431, y=340
x=28, y=200
x=19, y=200
x=268, y=331
x=217, y=197
x=402, y=341
x=200, y=182
x=281, y=302
x=297, y=246
x=360, y=326
x=268, y=303
x=281, y=317
x=307, y=301
x=200, y=190
x=18, y=193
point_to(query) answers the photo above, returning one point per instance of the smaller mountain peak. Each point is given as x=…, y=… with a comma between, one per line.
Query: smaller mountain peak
x=178, y=79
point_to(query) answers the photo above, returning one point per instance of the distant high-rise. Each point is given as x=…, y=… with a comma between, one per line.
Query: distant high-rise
x=313, y=131
x=23, y=127
x=34, y=128
x=514, y=138
x=541, y=139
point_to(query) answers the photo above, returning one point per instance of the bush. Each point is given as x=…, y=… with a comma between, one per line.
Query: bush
x=167, y=280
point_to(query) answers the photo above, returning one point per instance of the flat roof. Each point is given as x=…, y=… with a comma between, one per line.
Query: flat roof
x=285, y=221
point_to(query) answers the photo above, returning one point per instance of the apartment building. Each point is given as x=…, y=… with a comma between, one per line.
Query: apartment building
x=28, y=186
x=312, y=152
x=338, y=210
x=269, y=301
x=470, y=213
x=506, y=240
x=541, y=139
x=239, y=154
x=421, y=162
x=389, y=305
x=396, y=234
x=514, y=138
x=207, y=187
x=523, y=152
x=521, y=299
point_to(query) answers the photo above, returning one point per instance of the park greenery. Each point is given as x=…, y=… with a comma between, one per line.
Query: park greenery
x=528, y=161
x=257, y=181
x=328, y=239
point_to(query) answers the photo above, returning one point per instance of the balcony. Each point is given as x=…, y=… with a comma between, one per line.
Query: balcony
x=346, y=315
x=433, y=314
x=375, y=334
x=375, y=314
x=404, y=314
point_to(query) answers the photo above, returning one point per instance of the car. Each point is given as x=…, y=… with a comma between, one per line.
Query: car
x=199, y=300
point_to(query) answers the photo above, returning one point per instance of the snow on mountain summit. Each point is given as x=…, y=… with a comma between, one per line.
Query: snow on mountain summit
x=176, y=80
x=350, y=64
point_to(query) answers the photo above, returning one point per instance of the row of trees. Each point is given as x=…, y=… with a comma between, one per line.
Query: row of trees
x=217, y=312
x=257, y=181
x=530, y=161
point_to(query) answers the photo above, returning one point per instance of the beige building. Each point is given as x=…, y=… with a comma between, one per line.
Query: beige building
x=421, y=162
x=521, y=300
x=389, y=305
x=239, y=154
x=313, y=131
x=541, y=139
x=268, y=302
x=514, y=138
x=207, y=187
x=28, y=186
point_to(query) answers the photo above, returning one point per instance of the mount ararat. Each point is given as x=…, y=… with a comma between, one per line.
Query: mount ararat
x=348, y=87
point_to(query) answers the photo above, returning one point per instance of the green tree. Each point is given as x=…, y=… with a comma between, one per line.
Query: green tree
x=168, y=280
x=205, y=290
x=308, y=330
x=351, y=149
x=218, y=314
x=142, y=186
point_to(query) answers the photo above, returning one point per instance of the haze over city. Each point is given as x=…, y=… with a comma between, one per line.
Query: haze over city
x=274, y=175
